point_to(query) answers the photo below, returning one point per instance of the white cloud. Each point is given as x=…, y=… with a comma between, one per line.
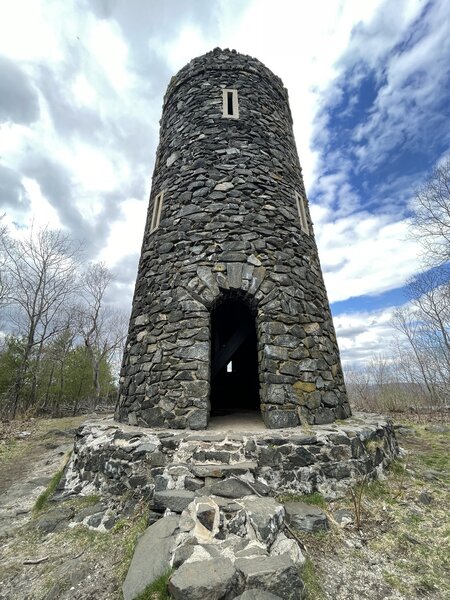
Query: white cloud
x=129, y=226
x=189, y=43
x=42, y=212
x=362, y=334
x=26, y=34
x=106, y=45
x=372, y=255
x=405, y=102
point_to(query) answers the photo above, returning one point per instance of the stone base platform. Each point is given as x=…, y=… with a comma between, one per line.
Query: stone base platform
x=171, y=468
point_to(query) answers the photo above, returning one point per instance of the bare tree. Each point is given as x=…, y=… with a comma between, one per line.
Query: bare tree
x=4, y=286
x=430, y=293
x=102, y=327
x=428, y=352
x=431, y=220
x=41, y=272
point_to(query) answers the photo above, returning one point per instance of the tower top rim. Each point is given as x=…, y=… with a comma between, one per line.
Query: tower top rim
x=225, y=59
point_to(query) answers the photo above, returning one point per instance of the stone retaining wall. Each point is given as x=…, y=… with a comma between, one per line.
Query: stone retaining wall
x=172, y=468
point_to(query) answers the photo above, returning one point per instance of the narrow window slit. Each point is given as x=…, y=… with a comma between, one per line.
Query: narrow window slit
x=156, y=214
x=300, y=200
x=230, y=103
x=230, y=107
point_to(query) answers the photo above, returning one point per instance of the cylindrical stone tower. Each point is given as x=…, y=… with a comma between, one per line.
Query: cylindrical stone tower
x=230, y=310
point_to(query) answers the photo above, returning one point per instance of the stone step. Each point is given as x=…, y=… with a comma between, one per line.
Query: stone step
x=221, y=470
x=216, y=454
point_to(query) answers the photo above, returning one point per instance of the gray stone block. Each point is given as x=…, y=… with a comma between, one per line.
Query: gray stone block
x=266, y=516
x=305, y=517
x=215, y=579
x=228, y=488
x=275, y=574
x=275, y=419
x=176, y=500
x=151, y=557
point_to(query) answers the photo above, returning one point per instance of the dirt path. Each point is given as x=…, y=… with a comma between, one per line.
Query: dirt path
x=28, y=461
x=42, y=558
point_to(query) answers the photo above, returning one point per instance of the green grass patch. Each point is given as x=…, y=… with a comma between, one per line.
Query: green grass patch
x=129, y=539
x=315, y=498
x=376, y=490
x=397, y=467
x=311, y=579
x=42, y=500
x=158, y=590
x=373, y=445
x=8, y=449
x=394, y=581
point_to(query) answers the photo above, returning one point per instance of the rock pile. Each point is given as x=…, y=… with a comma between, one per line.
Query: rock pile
x=220, y=548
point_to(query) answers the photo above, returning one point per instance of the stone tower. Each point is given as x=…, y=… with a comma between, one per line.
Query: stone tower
x=230, y=311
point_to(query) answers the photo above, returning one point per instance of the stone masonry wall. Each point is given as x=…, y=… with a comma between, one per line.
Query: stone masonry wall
x=229, y=225
x=174, y=467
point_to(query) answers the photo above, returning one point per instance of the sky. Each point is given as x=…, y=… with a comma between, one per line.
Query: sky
x=81, y=88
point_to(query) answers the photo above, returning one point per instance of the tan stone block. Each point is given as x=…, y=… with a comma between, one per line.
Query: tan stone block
x=304, y=386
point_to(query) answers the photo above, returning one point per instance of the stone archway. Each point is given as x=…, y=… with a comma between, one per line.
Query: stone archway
x=234, y=359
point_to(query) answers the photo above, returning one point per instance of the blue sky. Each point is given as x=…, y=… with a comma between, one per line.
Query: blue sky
x=81, y=87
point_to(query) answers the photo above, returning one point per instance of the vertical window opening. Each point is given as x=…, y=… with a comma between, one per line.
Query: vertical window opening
x=229, y=103
x=156, y=214
x=230, y=367
x=230, y=109
x=302, y=212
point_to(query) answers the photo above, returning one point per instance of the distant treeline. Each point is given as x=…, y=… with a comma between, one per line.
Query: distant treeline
x=60, y=339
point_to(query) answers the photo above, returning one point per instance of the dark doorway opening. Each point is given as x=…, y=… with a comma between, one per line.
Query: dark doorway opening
x=234, y=359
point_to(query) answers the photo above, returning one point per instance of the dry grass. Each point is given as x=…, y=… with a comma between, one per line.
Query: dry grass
x=402, y=534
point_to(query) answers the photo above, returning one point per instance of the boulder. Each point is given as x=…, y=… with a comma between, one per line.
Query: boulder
x=151, y=557
x=343, y=516
x=55, y=519
x=215, y=579
x=305, y=517
x=285, y=545
x=204, y=515
x=275, y=574
x=266, y=516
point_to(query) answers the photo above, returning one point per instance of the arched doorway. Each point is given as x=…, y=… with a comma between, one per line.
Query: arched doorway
x=234, y=359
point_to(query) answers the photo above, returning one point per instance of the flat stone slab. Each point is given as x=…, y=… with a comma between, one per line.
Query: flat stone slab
x=305, y=517
x=275, y=574
x=222, y=470
x=215, y=579
x=151, y=557
x=228, y=488
x=176, y=500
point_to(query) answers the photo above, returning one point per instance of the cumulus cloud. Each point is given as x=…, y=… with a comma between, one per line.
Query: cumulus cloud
x=12, y=192
x=19, y=101
x=363, y=334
